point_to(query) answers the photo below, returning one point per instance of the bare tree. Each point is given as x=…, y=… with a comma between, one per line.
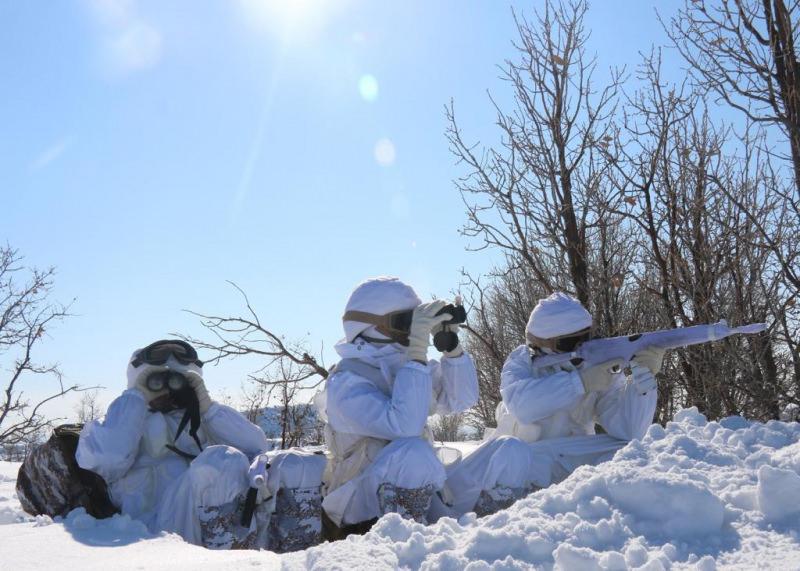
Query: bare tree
x=287, y=369
x=447, y=428
x=543, y=196
x=254, y=398
x=680, y=221
x=88, y=408
x=26, y=316
x=744, y=51
x=538, y=196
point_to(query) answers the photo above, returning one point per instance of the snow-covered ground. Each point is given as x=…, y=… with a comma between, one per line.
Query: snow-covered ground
x=694, y=495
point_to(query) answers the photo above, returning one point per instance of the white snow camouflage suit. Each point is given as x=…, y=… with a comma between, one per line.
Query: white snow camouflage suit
x=376, y=405
x=148, y=481
x=550, y=409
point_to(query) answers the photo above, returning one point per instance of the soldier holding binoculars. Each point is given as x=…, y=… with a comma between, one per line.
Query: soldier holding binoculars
x=376, y=404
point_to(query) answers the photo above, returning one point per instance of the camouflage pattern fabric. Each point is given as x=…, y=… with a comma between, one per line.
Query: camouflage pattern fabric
x=50, y=482
x=220, y=526
x=410, y=503
x=296, y=522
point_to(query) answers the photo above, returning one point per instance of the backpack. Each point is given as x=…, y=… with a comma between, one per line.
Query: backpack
x=50, y=482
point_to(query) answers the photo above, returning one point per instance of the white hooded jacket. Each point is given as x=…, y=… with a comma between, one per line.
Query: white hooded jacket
x=376, y=396
x=541, y=404
x=128, y=447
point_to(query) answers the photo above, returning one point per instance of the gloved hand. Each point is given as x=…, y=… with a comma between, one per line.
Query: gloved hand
x=199, y=388
x=643, y=378
x=454, y=328
x=599, y=377
x=652, y=358
x=423, y=321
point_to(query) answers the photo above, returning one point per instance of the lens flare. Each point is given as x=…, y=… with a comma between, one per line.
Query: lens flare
x=368, y=88
x=384, y=152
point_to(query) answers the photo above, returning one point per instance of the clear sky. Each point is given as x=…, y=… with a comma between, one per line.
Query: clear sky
x=152, y=150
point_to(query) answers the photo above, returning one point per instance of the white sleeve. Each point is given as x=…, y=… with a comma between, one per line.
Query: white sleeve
x=356, y=406
x=531, y=398
x=109, y=446
x=624, y=411
x=225, y=425
x=455, y=384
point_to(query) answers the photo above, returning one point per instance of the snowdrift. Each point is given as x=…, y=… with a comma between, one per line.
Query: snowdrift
x=694, y=495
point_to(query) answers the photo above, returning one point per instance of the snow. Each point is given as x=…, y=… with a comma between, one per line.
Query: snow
x=692, y=495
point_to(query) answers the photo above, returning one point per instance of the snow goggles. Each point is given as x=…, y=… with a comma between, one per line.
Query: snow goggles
x=564, y=343
x=159, y=353
x=395, y=325
x=169, y=380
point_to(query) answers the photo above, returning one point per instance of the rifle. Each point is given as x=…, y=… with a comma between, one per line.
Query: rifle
x=625, y=347
x=257, y=476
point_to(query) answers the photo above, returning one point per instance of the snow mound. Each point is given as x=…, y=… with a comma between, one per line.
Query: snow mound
x=10, y=510
x=692, y=495
x=778, y=493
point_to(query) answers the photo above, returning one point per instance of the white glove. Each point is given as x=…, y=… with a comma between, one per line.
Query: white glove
x=199, y=387
x=454, y=328
x=643, y=378
x=652, y=358
x=599, y=377
x=423, y=321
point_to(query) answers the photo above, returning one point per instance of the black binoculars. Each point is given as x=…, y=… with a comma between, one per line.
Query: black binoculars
x=448, y=340
x=169, y=380
x=181, y=393
x=457, y=311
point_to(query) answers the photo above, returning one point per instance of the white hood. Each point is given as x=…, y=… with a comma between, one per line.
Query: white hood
x=379, y=296
x=557, y=315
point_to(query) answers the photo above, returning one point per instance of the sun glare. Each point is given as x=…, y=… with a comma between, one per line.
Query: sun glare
x=291, y=20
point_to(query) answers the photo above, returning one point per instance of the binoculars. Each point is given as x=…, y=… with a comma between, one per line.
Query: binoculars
x=181, y=393
x=448, y=340
x=169, y=380
x=457, y=311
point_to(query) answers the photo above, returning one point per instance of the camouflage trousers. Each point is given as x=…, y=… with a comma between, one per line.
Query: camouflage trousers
x=293, y=522
x=297, y=520
x=410, y=503
x=221, y=527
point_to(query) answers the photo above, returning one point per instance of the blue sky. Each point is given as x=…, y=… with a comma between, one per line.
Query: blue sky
x=151, y=151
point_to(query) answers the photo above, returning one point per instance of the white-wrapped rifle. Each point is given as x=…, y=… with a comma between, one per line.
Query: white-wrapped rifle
x=257, y=476
x=625, y=347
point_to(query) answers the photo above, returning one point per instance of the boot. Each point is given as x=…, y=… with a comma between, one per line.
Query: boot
x=500, y=498
x=410, y=503
x=296, y=522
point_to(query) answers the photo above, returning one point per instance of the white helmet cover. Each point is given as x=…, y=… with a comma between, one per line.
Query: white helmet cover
x=557, y=315
x=379, y=296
